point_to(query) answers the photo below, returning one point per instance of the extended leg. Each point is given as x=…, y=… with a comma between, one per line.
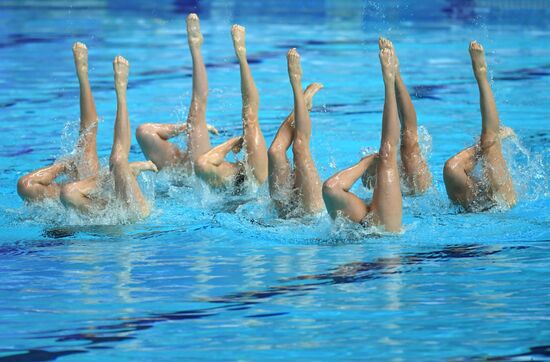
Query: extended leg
x=338, y=199
x=127, y=189
x=256, y=150
x=417, y=176
x=212, y=167
x=386, y=201
x=88, y=164
x=198, y=142
x=280, y=174
x=460, y=185
x=39, y=185
x=307, y=180
x=495, y=167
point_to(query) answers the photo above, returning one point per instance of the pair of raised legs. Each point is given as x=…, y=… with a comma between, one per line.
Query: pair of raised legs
x=209, y=163
x=295, y=191
x=41, y=184
x=84, y=195
x=496, y=184
x=415, y=175
x=385, y=208
x=212, y=167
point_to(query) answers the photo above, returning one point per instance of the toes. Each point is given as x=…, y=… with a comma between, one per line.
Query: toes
x=192, y=17
x=79, y=46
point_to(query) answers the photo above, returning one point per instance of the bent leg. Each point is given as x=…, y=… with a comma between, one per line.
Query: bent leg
x=212, y=167
x=460, y=186
x=338, y=199
x=416, y=174
x=256, y=150
x=387, y=200
x=88, y=164
x=39, y=185
x=280, y=173
x=494, y=165
x=127, y=189
x=307, y=180
x=153, y=140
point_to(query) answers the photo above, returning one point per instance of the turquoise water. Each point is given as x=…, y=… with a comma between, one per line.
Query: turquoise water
x=209, y=276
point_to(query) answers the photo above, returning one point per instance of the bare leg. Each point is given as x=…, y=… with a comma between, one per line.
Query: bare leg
x=88, y=164
x=307, y=180
x=460, y=185
x=212, y=167
x=127, y=189
x=280, y=174
x=256, y=150
x=416, y=174
x=338, y=199
x=495, y=167
x=39, y=185
x=199, y=141
x=387, y=199
x=153, y=138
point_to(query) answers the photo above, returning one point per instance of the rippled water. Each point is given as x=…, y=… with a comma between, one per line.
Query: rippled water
x=220, y=277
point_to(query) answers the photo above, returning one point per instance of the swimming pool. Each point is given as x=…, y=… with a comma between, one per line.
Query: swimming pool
x=215, y=277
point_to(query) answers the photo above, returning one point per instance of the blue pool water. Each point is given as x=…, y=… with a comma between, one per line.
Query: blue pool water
x=214, y=277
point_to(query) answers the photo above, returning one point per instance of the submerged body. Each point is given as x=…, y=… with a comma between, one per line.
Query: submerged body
x=83, y=195
x=385, y=208
x=495, y=186
x=295, y=191
x=153, y=138
x=41, y=184
x=415, y=175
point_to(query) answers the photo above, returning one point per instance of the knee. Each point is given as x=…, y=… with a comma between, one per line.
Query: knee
x=26, y=187
x=300, y=146
x=331, y=188
x=276, y=152
x=144, y=132
x=387, y=153
x=451, y=167
x=202, y=165
x=69, y=195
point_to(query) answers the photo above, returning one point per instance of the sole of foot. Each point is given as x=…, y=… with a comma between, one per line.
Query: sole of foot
x=121, y=68
x=294, y=67
x=194, y=35
x=80, y=53
x=238, y=34
x=387, y=63
x=478, y=58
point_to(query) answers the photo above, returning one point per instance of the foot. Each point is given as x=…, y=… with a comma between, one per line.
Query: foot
x=310, y=91
x=238, y=35
x=121, y=68
x=506, y=132
x=388, y=65
x=194, y=36
x=386, y=43
x=478, y=59
x=138, y=167
x=294, y=67
x=80, y=53
x=239, y=142
x=212, y=129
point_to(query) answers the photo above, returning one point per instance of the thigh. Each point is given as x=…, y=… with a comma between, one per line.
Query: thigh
x=307, y=181
x=346, y=204
x=461, y=188
x=162, y=152
x=387, y=200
